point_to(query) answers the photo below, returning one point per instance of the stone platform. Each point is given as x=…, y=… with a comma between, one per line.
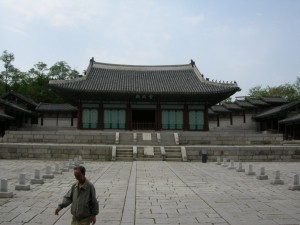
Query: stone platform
x=156, y=192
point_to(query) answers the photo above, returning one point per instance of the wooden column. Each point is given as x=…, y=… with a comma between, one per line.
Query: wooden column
x=244, y=116
x=218, y=120
x=231, y=122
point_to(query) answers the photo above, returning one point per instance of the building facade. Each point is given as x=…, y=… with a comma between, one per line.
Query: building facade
x=128, y=97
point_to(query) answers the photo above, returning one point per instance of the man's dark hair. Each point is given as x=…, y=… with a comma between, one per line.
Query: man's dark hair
x=81, y=168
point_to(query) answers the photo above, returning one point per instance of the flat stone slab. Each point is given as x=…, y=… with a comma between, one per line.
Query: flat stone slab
x=147, y=137
x=149, y=151
x=24, y=187
x=157, y=192
x=6, y=194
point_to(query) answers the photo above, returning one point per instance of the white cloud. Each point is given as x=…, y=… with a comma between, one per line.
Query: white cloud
x=54, y=12
x=16, y=30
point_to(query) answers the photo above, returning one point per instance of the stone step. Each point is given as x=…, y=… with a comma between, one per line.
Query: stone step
x=173, y=159
x=124, y=159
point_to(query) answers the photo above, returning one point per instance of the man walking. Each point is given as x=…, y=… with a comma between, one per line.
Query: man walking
x=82, y=196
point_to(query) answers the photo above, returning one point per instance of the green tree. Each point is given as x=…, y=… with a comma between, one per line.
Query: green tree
x=297, y=86
x=6, y=75
x=257, y=92
x=287, y=91
x=38, y=88
x=62, y=71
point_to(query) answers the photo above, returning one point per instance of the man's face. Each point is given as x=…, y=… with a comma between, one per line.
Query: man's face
x=78, y=175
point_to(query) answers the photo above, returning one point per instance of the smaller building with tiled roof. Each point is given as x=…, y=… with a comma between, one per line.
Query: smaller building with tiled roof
x=274, y=100
x=269, y=119
x=57, y=115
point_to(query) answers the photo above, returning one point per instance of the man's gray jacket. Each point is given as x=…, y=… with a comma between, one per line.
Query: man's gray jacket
x=84, y=201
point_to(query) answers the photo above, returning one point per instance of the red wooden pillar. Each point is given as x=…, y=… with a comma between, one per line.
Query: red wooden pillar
x=206, y=127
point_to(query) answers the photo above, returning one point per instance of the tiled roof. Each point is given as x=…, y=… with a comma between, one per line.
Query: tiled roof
x=219, y=109
x=275, y=99
x=25, y=99
x=210, y=112
x=257, y=102
x=232, y=106
x=158, y=80
x=292, y=119
x=283, y=109
x=5, y=117
x=15, y=107
x=245, y=104
x=42, y=107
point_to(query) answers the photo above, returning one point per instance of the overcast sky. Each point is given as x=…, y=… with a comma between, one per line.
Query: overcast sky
x=254, y=42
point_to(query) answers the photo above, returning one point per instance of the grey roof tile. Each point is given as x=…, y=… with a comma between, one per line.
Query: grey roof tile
x=5, y=116
x=274, y=99
x=292, y=119
x=245, y=104
x=219, y=109
x=257, y=102
x=232, y=106
x=282, y=109
x=112, y=78
x=46, y=107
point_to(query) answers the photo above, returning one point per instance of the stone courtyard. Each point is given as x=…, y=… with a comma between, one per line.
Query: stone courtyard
x=157, y=192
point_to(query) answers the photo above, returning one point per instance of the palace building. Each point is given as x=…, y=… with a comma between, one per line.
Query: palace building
x=131, y=97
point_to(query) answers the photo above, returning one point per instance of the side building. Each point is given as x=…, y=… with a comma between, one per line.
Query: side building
x=129, y=97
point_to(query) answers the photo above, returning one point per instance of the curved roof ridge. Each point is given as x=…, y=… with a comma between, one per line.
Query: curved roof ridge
x=140, y=67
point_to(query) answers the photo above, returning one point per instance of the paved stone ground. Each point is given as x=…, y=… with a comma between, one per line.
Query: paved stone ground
x=144, y=193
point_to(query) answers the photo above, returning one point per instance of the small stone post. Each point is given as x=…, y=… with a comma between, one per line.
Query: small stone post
x=240, y=168
x=262, y=175
x=80, y=160
x=49, y=174
x=277, y=180
x=295, y=185
x=250, y=171
x=4, y=190
x=231, y=167
x=57, y=170
x=224, y=164
x=22, y=183
x=37, y=178
x=65, y=167
x=218, y=160
x=71, y=164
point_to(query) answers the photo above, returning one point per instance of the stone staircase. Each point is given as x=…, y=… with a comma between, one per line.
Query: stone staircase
x=173, y=153
x=124, y=154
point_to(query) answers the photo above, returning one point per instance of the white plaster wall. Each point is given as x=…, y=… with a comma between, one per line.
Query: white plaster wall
x=62, y=122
